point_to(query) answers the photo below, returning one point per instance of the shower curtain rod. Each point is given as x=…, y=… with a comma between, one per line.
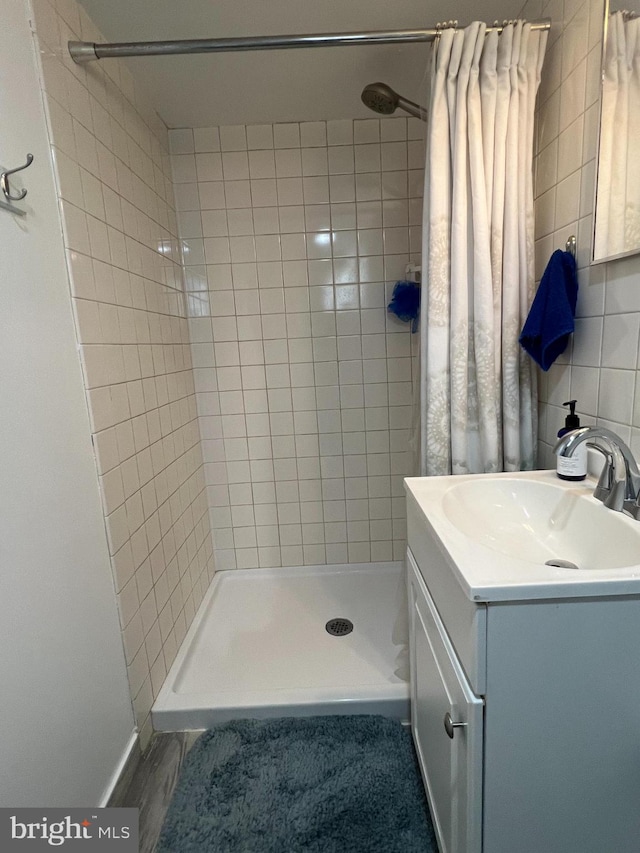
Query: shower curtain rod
x=84, y=51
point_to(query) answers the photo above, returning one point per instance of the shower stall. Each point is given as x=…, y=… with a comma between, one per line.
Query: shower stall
x=289, y=642
x=250, y=396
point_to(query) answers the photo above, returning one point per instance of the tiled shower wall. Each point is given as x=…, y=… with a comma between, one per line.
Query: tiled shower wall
x=600, y=367
x=293, y=236
x=117, y=207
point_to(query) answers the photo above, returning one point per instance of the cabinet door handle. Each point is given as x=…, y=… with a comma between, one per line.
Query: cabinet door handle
x=450, y=726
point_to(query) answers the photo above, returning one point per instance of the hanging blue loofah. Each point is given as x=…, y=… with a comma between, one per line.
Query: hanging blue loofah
x=405, y=302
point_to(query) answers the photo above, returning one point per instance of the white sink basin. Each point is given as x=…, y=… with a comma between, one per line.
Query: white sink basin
x=504, y=534
x=542, y=521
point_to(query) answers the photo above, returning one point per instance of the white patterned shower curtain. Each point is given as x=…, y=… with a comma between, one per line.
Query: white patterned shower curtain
x=618, y=203
x=478, y=388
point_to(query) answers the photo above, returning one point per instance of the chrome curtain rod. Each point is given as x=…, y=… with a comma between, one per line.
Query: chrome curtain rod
x=84, y=51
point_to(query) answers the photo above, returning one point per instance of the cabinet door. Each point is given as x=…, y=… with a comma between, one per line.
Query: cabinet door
x=451, y=766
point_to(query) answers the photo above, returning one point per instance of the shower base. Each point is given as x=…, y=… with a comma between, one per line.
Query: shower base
x=258, y=647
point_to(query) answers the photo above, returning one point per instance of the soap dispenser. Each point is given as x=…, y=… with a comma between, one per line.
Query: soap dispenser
x=572, y=467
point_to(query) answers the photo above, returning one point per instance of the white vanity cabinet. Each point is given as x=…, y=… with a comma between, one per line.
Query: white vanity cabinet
x=442, y=704
x=548, y=691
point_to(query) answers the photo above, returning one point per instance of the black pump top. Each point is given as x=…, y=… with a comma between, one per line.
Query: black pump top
x=572, y=420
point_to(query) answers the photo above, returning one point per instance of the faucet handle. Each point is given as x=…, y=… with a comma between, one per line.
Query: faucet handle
x=612, y=485
x=616, y=499
x=605, y=481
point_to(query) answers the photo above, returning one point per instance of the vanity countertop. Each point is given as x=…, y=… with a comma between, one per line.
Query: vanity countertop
x=497, y=531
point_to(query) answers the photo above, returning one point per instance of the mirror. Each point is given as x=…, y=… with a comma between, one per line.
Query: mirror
x=617, y=207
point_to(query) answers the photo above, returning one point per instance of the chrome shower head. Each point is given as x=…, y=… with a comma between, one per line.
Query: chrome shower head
x=382, y=99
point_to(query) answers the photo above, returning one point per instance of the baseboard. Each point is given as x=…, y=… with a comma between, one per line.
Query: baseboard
x=123, y=773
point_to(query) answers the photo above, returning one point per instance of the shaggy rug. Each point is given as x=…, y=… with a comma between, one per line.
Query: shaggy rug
x=300, y=785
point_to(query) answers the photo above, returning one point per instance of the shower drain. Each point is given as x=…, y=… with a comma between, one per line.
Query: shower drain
x=339, y=627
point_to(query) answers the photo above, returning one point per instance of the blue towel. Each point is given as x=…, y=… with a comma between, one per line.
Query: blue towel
x=405, y=302
x=545, y=334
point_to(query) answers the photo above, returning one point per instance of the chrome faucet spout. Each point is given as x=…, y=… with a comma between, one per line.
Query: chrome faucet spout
x=619, y=484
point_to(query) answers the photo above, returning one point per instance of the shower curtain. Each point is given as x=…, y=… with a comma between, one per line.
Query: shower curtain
x=477, y=409
x=477, y=387
x=618, y=203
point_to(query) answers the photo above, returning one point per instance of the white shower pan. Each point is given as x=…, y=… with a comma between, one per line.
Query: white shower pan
x=258, y=647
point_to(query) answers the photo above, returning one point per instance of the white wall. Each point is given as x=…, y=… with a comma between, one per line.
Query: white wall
x=65, y=713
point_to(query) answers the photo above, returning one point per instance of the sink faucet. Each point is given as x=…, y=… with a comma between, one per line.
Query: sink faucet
x=619, y=484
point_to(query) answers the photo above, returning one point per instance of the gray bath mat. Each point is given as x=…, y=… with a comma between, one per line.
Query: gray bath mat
x=347, y=784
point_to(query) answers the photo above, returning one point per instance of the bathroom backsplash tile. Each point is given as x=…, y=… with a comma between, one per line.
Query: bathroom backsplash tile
x=115, y=185
x=599, y=368
x=303, y=381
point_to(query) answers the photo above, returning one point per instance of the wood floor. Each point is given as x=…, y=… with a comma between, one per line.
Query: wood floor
x=153, y=782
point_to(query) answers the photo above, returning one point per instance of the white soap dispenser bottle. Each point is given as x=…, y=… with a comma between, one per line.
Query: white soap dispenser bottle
x=572, y=467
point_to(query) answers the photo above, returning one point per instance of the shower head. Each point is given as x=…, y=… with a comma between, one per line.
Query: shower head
x=382, y=99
